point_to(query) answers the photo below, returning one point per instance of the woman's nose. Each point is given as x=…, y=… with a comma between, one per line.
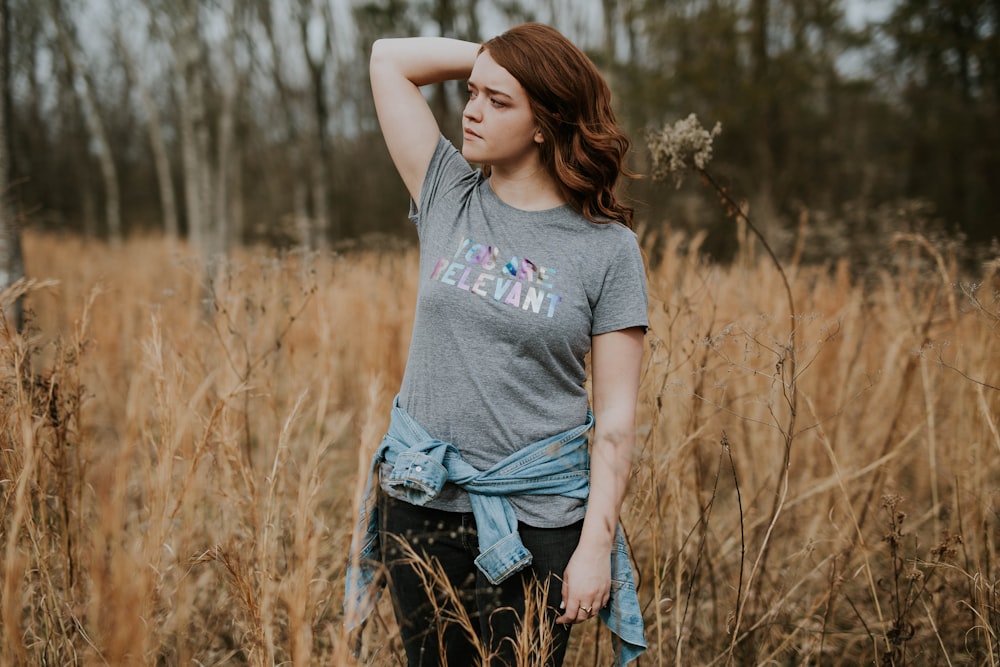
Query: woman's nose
x=472, y=110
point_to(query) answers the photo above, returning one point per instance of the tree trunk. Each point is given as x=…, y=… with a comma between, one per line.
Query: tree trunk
x=296, y=142
x=319, y=158
x=237, y=214
x=631, y=30
x=74, y=141
x=157, y=144
x=993, y=55
x=300, y=212
x=762, y=107
x=224, y=147
x=444, y=15
x=194, y=127
x=610, y=9
x=95, y=126
x=11, y=261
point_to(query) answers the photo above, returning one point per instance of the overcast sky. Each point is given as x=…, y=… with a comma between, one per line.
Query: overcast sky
x=860, y=12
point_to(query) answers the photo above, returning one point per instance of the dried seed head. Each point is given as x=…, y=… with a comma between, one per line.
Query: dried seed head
x=891, y=500
x=681, y=146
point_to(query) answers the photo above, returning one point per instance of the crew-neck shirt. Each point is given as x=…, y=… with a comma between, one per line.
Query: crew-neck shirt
x=507, y=303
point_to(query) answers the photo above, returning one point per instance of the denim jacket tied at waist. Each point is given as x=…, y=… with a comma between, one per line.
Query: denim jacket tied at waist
x=558, y=465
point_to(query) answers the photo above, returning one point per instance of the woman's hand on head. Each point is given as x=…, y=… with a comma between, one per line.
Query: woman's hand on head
x=586, y=584
x=398, y=68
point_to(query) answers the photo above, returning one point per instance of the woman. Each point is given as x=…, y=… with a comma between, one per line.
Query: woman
x=526, y=265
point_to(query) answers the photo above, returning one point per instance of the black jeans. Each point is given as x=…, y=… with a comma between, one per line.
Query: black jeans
x=448, y=612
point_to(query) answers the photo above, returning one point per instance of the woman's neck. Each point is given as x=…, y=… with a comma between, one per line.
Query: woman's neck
x=527, y=188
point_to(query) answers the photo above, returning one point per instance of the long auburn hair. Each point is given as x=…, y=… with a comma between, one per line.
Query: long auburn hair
x=583, y=147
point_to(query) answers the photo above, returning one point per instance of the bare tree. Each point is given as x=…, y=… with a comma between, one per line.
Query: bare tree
x=318, y=58
x=157, y=143
x=87, y=90
x=762, y=106
x=294, y=140
x=210, y=157
x=187, y=43
x=11, y=262
x=229, y=89
x=306, y=111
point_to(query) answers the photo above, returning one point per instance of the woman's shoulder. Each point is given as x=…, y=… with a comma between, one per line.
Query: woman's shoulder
x=610, y=243
x=608, y=231
x=448, y=158
x=448, y=172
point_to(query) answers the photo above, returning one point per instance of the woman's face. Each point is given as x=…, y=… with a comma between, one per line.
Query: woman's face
x=498, y=125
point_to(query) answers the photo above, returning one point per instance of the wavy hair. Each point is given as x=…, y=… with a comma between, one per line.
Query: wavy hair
x=584, y=149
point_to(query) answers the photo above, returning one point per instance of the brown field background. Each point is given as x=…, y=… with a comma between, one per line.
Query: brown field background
x=179, y=464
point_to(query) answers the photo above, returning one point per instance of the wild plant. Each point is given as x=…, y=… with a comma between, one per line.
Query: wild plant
x=134, y=529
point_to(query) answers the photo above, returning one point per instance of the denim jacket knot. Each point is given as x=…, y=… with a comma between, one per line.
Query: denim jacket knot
x=420, y=466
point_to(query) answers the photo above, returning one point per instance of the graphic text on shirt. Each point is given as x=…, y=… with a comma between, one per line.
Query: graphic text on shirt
x=476, y=268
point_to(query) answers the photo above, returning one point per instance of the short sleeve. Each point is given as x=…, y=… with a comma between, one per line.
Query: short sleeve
x=446, y=171
x=623, y=301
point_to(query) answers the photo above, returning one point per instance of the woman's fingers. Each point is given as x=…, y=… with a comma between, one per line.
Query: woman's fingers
x=577, y=612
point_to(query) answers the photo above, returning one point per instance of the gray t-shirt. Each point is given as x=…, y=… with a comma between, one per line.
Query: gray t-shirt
x=507, y=303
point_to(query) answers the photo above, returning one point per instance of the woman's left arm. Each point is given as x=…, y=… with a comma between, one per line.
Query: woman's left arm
x=616, y=361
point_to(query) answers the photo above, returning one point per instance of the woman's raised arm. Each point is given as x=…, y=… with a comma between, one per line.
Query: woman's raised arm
x=398, y=68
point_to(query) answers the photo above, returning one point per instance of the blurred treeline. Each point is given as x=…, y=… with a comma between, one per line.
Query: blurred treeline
x=240, y=121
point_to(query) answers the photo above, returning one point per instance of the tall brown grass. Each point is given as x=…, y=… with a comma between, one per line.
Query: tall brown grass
x=179, y=458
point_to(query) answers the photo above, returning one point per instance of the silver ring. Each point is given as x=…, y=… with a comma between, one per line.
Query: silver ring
x=589, y=610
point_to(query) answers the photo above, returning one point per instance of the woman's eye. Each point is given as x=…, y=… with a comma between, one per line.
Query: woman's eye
x=497, y=103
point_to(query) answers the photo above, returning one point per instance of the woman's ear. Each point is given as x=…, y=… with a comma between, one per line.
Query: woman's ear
x=539, y=137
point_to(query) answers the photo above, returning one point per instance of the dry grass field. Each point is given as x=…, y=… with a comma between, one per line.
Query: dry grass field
x=179, y=464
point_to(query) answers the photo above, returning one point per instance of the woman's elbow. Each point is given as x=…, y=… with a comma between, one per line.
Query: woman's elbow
x=384, y=53
x=378, y=54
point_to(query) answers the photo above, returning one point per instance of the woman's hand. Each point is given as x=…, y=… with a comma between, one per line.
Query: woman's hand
x=586, y=583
